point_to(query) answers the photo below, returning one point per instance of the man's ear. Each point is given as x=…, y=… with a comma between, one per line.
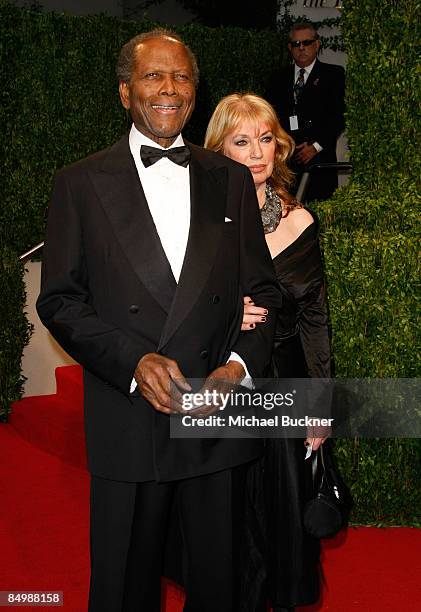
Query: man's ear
x=318, y=45
x=124, y=92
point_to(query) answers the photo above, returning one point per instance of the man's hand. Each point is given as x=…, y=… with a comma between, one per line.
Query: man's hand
x=154, y=375
x=304, y=153
x=232, y=373
x=221, y=381
x=252, y=314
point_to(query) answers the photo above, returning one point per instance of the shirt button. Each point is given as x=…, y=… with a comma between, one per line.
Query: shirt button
x=204, y=354
x=134, y=309
x=216, y=299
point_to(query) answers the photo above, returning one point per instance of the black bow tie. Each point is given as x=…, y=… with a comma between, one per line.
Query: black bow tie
x=178, y=155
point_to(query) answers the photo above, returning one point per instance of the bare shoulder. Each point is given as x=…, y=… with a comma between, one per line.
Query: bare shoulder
x=298, y=220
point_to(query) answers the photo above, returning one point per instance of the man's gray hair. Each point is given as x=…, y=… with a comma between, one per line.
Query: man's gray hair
x=304, y=25
x=125, y=62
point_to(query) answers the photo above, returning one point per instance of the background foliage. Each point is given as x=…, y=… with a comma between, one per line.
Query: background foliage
x=14, y=331
x=59, y=103
x=371, y=245
x=384, y=77
x=371, y=253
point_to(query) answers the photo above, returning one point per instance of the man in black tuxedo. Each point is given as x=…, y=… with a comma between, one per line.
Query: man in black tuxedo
x=309, y=99
x=151, y=245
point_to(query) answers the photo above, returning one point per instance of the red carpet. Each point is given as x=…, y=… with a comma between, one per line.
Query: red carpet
x=44, y=522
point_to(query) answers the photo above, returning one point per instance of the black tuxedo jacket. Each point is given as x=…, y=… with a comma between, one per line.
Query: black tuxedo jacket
x=109, y=297
x=320, y=108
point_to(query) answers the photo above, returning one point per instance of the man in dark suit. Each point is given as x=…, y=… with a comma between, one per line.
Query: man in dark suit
x=309, y=99
x=150, y=246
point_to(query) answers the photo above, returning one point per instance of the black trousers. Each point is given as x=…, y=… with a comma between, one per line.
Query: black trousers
x=128, y=532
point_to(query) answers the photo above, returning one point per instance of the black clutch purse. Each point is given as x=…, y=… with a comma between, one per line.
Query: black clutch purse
x=328, y=512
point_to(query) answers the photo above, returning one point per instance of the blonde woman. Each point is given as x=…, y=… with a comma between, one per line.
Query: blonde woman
x=245, y=128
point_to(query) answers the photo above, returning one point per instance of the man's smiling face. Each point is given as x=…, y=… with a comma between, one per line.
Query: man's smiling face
x=161, y=92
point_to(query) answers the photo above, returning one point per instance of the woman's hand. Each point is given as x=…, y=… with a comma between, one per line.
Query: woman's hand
x=314, y=442
x=316, y=436
x=252, y=314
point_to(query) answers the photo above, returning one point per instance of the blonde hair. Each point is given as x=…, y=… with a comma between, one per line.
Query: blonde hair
x=238, y=107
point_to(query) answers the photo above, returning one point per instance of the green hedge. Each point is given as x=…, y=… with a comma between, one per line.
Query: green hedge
x=383, y=85
x=385, y=480
x=371, y=252
x=14, y=331
x=371, y=246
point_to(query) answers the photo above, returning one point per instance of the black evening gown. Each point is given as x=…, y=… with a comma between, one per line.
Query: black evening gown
x=283, y=563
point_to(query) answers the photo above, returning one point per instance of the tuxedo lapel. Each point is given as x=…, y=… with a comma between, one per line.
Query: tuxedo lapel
x=119, y=189
x=208, y=201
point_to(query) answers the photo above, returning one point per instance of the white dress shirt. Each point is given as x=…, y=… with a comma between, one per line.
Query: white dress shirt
x=307, y=71
x=167, y=190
